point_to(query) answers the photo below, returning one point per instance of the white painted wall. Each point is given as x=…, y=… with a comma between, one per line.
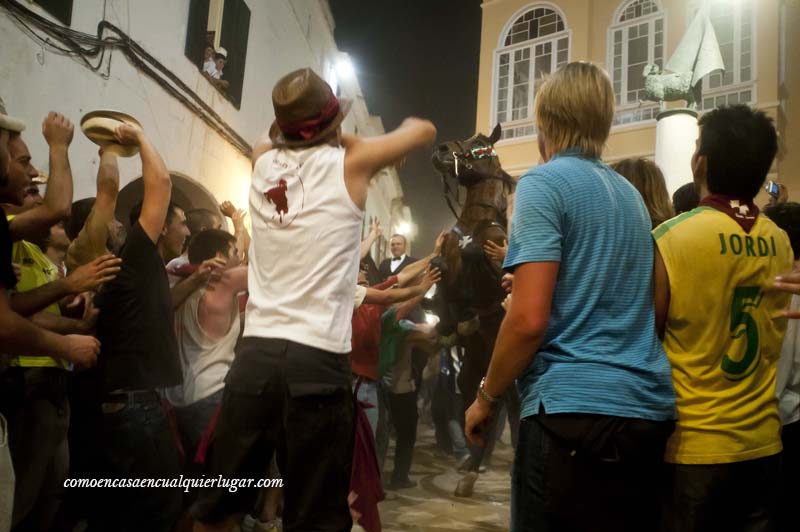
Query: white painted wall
x=284, y=35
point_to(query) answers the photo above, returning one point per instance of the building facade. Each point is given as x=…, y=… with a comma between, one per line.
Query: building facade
x=524, y=40
x=145, y=58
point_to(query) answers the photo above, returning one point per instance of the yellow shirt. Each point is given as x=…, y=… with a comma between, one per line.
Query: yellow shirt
x=723, y=334
x=37, y=270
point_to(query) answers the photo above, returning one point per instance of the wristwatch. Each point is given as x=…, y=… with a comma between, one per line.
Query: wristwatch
x=483, y=394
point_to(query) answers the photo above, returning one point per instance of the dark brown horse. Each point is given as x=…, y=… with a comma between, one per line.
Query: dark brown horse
x=468, y=299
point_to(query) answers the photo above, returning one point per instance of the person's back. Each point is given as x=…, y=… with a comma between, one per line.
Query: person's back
x=721, y=334
x=304, y=259
x=723, y=331
x=600, y=353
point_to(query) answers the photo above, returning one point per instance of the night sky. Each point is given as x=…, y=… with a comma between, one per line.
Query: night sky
x=416, y=58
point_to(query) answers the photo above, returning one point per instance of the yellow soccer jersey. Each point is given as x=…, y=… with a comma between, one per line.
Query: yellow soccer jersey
x=723, y=334
x=37, y=270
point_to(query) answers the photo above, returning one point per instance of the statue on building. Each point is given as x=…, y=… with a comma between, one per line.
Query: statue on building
x=696, y=56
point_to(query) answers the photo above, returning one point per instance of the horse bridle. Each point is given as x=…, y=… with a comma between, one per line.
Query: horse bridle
x=474, y=154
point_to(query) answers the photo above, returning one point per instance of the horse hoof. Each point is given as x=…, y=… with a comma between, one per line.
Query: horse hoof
x=466, y=485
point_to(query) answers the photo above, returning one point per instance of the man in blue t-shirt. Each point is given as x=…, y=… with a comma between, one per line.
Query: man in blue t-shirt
x=579, y=335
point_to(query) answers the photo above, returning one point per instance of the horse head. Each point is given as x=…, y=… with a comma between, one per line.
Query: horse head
x=474, y=164
x=469, y=161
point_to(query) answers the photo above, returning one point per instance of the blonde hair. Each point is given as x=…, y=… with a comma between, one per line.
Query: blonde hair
x=574, y=108
x=647, y=178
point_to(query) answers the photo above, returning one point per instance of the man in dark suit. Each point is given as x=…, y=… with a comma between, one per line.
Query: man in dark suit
x=399, y=260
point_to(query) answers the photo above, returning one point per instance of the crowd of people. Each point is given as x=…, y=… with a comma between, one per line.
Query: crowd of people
x=656, y=356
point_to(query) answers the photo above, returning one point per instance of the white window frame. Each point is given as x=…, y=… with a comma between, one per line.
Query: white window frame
x=738, y=86
x=616, y=25
x=531, y=44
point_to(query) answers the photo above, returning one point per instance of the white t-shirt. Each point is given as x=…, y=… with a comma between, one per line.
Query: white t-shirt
x=304, y=252
x=210, y=68
x=204, y=361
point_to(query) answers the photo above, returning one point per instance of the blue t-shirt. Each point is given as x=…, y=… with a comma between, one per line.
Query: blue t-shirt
x=600, y=354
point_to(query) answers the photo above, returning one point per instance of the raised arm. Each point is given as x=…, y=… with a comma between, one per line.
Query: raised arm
x=239, y=230
x=155, y=176
x=57, y=204
x=107, y=189
x=432, y=276
x=365, y=156
x=374, y=233
x=413, y=270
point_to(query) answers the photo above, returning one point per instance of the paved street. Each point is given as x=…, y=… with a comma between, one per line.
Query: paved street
x=431, y=506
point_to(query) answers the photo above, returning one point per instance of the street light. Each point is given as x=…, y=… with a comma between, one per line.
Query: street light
x=344, y=67
x=403, y=228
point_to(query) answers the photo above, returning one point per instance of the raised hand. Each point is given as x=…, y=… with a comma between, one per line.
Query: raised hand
x=376, y=227
x=128, y=135
x=507, y=282
x=211, y=270
x=90, y=276
x=227, y=208
x=437, y=248
x=494, y=251
x=57, y=130
x=432, y=276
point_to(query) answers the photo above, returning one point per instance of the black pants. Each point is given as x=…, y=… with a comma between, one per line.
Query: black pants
x=588, y=473
x=736, y=497
x=789, y=521
x=135, y=443
x=404, y=418
x=312, y=434
x=34, y=402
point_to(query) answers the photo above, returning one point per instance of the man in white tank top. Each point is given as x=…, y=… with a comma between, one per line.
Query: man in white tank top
x=288, y=390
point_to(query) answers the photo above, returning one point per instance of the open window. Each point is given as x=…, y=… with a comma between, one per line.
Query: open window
x=216, y=41
x=60, y=9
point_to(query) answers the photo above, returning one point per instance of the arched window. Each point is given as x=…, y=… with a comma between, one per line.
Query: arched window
x=735, y=29
x=535, y=44
x=636, y=39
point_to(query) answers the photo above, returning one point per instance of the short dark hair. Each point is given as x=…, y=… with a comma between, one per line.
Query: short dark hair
x=206, y=244
x=787, y=217
x=198, y=219
x=136, y=211
x=685, y=198
x=739, y=144
x=218, y=56
x=78, y=215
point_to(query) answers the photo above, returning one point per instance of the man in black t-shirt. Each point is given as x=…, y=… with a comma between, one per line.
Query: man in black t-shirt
x=139, y=356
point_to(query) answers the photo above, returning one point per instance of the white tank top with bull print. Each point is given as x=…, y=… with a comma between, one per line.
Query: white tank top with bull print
x=304, y=249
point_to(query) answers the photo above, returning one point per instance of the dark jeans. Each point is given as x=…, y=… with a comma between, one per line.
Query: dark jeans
x=35, y=404
x=789, y=521
x=312, y=434
x=134, y=443
x=193, y=421
x=735, y=497
x=404, y=416
x=588, y=473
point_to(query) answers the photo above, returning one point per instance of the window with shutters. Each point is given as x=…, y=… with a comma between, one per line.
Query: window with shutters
x=60, y=9
x=535, y=44
x=216, y=41
x=636, y=39
x=734, y=26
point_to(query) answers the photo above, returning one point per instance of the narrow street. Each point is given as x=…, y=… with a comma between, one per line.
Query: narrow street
x=431, y=505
